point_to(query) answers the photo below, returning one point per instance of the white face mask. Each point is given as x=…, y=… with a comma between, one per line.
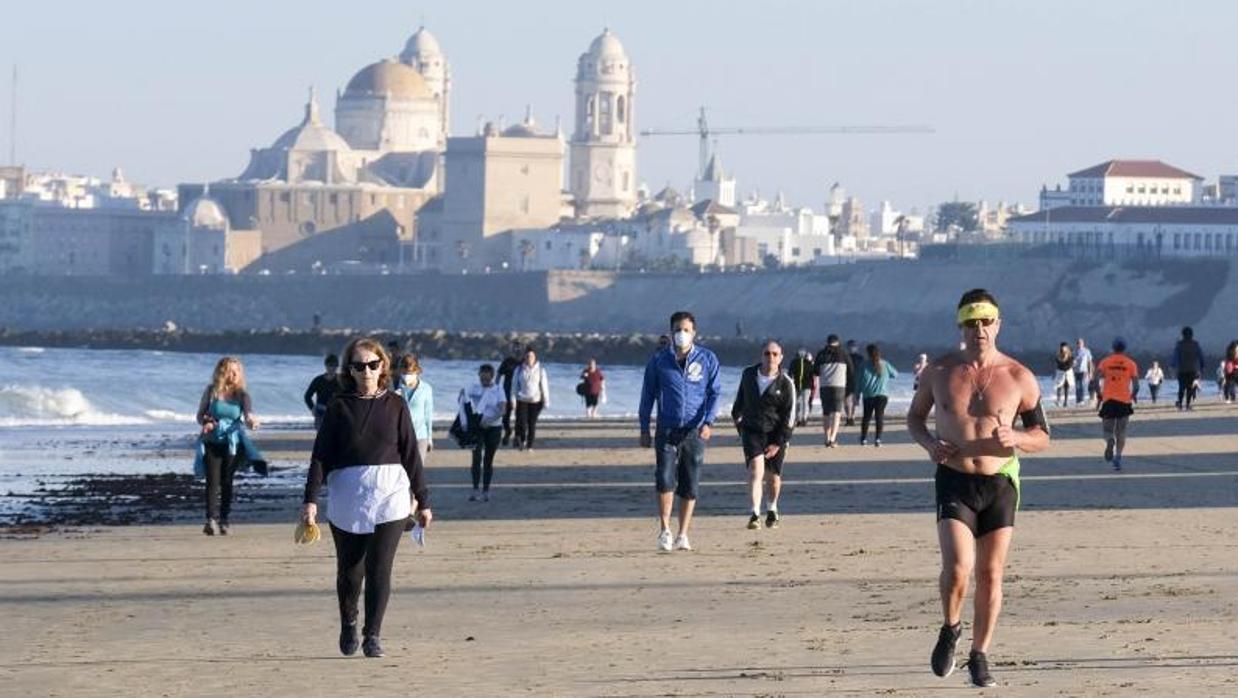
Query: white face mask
x=682, y=339
x=410, y=379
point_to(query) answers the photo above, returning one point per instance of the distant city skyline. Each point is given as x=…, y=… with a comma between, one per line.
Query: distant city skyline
x=1019, y=94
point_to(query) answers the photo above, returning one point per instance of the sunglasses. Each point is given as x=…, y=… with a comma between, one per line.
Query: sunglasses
x=360, y=366
x=773, y=353
x=979, y=322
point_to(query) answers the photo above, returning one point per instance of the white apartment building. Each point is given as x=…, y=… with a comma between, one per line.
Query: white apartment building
x=1171, y=231
x=1127, y=183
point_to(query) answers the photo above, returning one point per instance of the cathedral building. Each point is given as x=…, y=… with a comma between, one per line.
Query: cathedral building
x=603, y=145
x=322, y=195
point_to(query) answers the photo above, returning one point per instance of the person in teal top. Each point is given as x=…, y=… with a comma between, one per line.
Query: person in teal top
x=420, y=398
x=225, y=413
x=873, y=385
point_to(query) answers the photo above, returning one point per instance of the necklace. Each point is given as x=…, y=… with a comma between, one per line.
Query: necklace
x=977, y=388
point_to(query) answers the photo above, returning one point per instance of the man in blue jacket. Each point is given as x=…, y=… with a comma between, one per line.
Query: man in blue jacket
x=684, y=381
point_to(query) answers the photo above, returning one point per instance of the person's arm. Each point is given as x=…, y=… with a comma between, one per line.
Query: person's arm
x=310, y=392
x=891, y=372
x=713, y=392
x=322, y=454
x=247, y=411
x=737, y=407
x=648, y=393
x=1035, y=434
x=544, y=383
x=204, y=407
x=427, y=410
x=939, y=450
x=786, y=415
x=410, y=458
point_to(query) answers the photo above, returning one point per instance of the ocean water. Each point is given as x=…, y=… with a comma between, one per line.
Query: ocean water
x=65, y=412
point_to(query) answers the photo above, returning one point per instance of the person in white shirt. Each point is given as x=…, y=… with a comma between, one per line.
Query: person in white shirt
x=1155, y=376
x=531, y=388
x=1084, y=369
x=487, y=401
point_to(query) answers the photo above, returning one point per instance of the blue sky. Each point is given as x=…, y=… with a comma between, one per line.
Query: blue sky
x=1020, y=92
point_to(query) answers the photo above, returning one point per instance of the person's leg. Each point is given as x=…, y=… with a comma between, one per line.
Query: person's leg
x=1119, y=436
x=349, y=571
x=379, y=559
x=869, y=406
x=1081, y=380
x=664, y=479
x=478, y=448
x=214, y=462
x=490, y=444
x=226, y=475
x=880, y=414
x=1184, y=387
x=958, y=557
x=773, y=483
x=507, y=423
x=832, y=421
x=756, y=476
x=991, y=552
x=522, y=417
x=1155, y=390
x=1106, y=425
x=535, y=411
x=691, y=454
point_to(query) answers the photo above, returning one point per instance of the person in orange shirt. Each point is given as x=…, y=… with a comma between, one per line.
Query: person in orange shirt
x=1119, y=377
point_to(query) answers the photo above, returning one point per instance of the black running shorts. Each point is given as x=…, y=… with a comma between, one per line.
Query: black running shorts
x=754, y=445
x=984, y=503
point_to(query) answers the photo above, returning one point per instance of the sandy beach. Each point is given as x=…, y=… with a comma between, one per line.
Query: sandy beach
x=1118, y=583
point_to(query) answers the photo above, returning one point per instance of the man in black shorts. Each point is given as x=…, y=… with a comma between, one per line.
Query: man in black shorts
x=977, y=392
x=764, y=414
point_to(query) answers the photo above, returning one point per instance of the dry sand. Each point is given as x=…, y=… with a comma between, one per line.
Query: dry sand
x=1117, y=583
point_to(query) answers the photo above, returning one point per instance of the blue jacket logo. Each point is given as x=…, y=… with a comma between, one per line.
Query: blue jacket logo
x=695, y=371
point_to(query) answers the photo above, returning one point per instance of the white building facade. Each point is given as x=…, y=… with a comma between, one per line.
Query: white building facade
x=1133, y=183
x=1170, y=231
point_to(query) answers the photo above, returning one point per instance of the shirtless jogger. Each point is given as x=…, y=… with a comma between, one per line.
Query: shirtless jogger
x=977, y=392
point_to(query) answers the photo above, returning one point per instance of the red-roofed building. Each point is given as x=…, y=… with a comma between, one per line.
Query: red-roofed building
x=1133, y=183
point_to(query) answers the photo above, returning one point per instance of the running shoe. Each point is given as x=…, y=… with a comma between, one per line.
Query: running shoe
x=1109, y=444
x=1117, y=465
x=372, y=647
x=681, y=543
x=943, y=653
x=210, y=527
x=348, y=638
x=771, y=519
x=978, y=667
x=665, y=541
x=754, y=522
x=863, y=442
x=877, y=443
x=223, y=527
x=485, y=496
x=476, y=496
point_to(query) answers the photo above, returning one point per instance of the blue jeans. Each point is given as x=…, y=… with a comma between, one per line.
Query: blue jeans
x=680, y=453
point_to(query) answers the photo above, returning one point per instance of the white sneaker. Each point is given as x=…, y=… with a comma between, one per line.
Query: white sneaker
x=664, y=541
x=681, y=543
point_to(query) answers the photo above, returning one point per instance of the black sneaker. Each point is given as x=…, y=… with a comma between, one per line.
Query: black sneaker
x=348, y=638
x=209, y=528
x=1109, y=444
x=943, y=653
x=771, y=519
x=754, y=522
x=978, y=666
x=223, y=527
x=372, y=648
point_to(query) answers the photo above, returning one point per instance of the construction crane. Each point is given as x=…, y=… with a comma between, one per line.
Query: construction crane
x=704, y=131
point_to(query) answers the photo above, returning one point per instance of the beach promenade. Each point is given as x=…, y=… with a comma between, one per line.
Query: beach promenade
x=1118, y=583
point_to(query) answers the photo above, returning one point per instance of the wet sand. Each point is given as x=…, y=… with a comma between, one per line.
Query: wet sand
x=1118, y=583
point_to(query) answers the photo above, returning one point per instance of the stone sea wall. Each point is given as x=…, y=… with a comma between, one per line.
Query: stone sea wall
x=909, y=305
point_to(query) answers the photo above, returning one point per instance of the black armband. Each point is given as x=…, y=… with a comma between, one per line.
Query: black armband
x=1035, y=417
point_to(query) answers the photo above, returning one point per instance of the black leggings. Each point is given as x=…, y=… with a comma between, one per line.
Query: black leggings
x=483, y=456
x=220, y=468
x=368, y=557
x=1186, y=388
x=875, y=405
x=526, y=422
